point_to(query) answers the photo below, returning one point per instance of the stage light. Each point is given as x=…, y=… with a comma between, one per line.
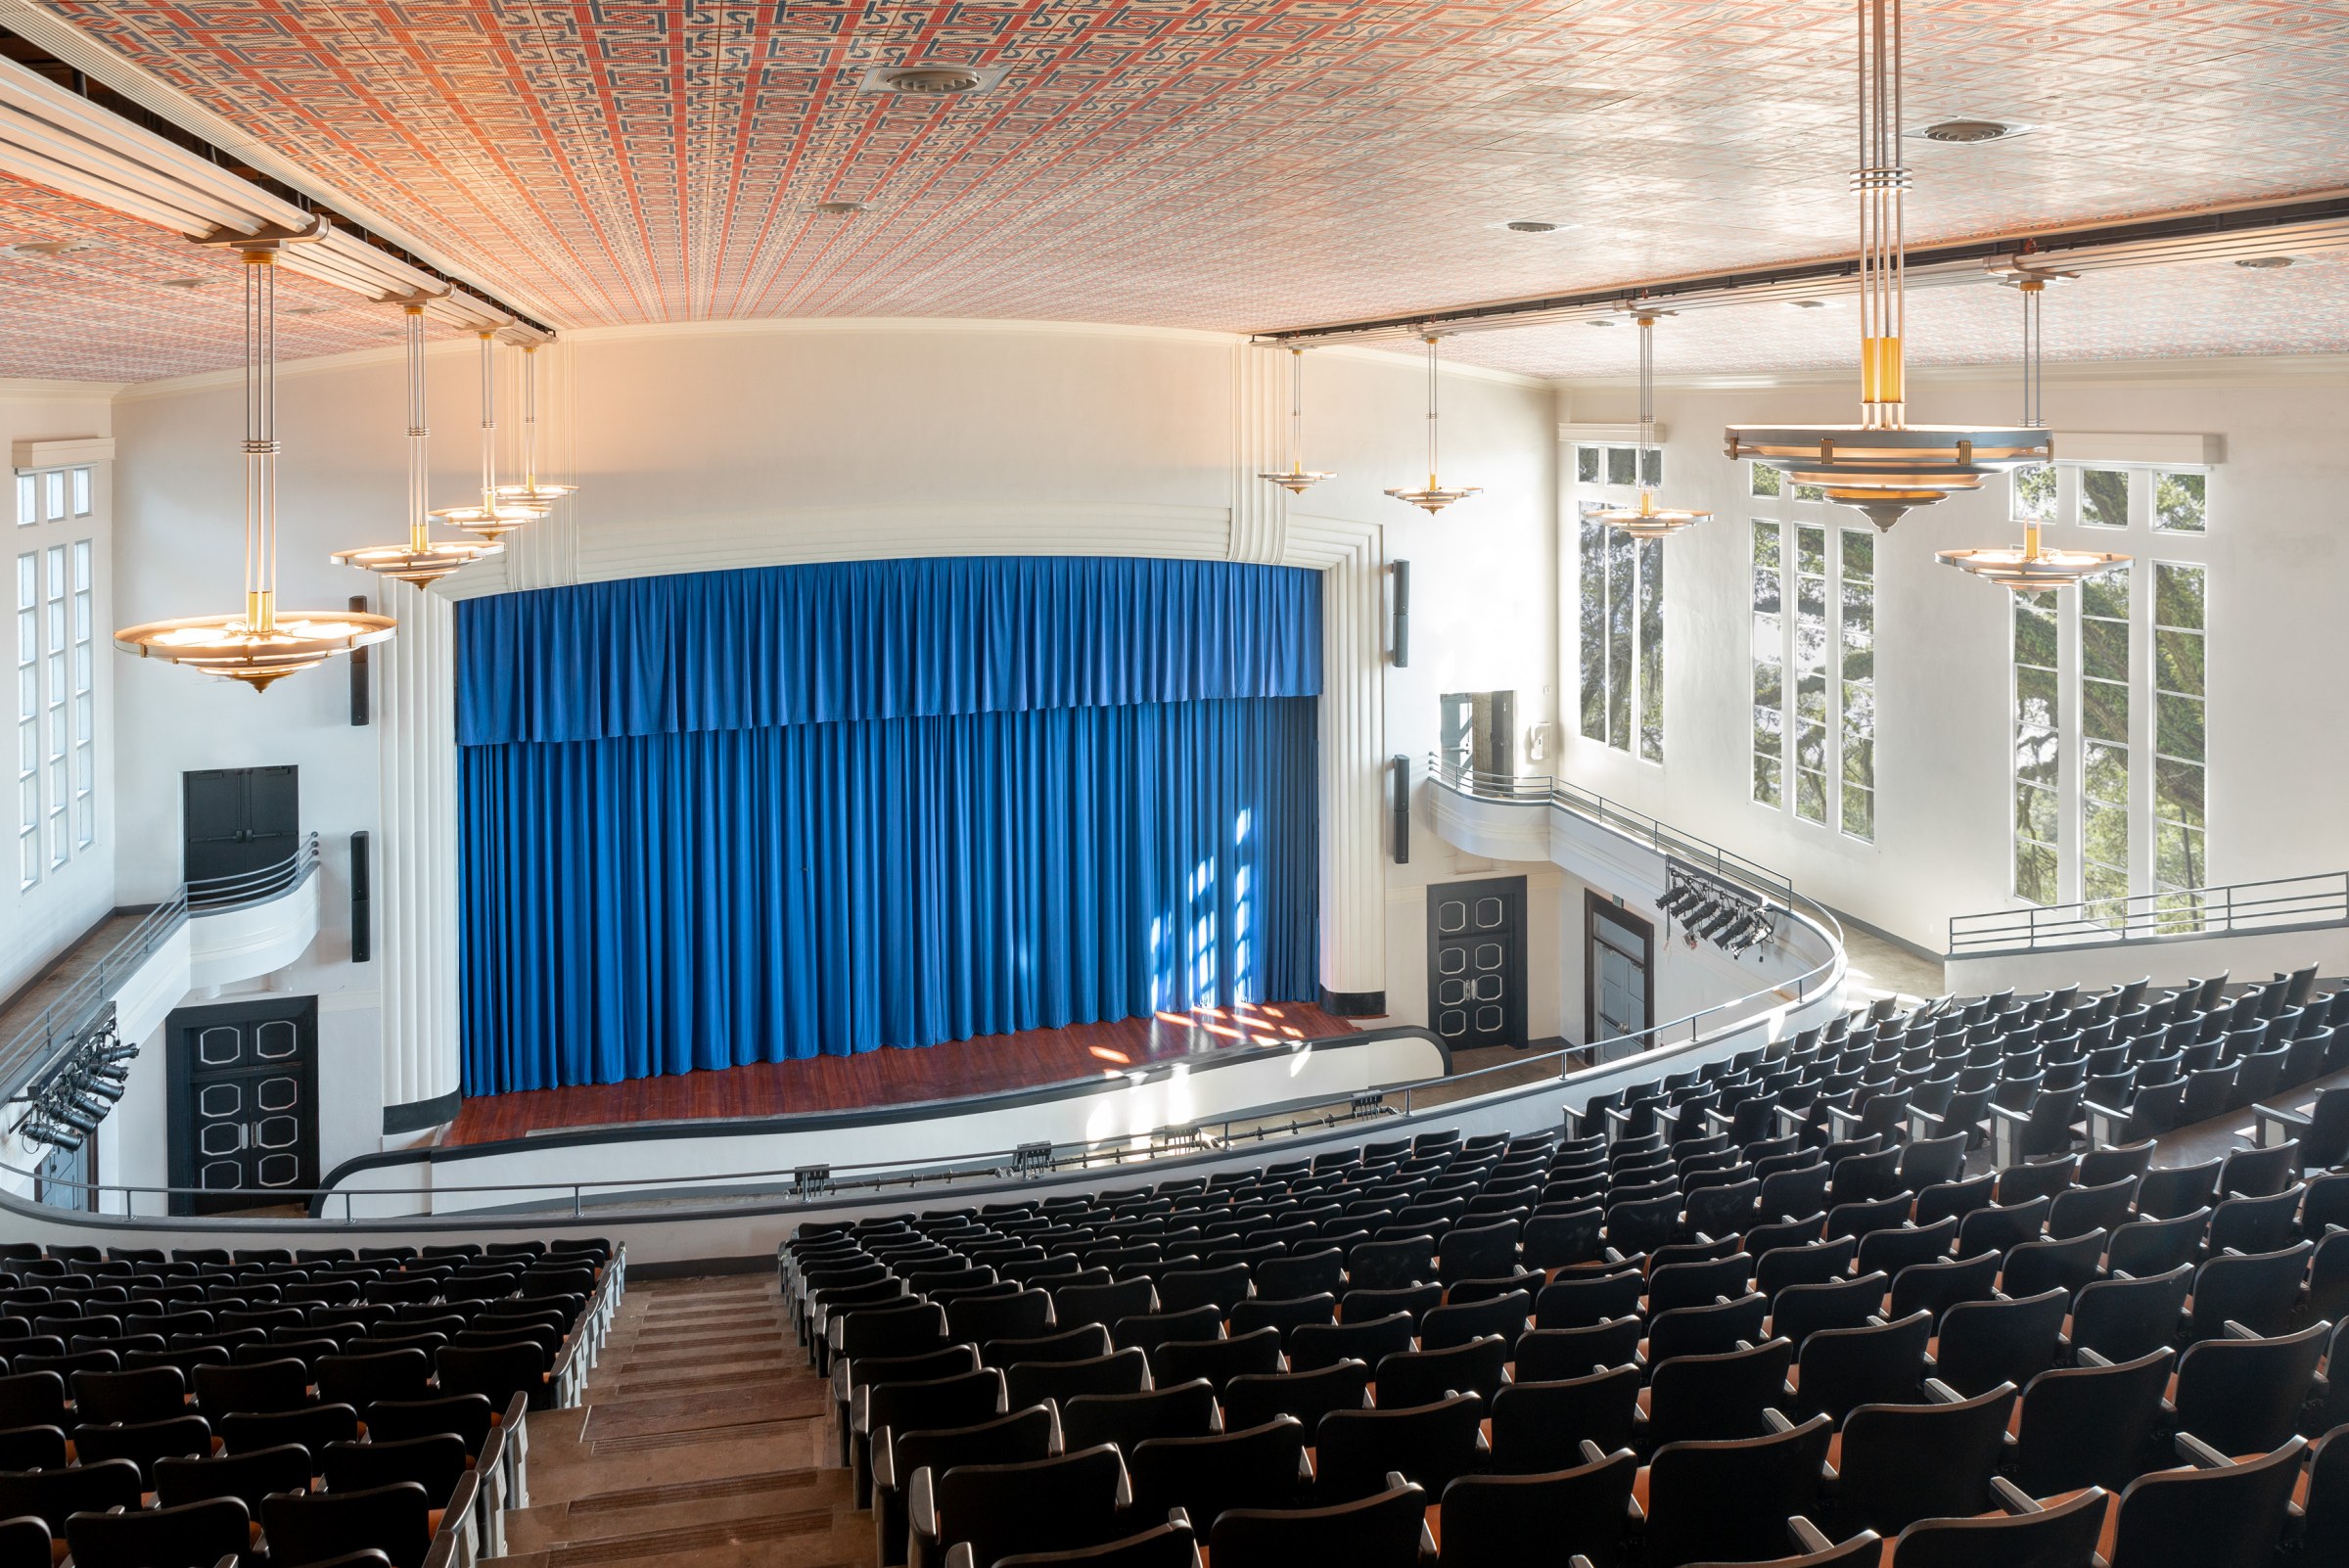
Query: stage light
x=43, y=1132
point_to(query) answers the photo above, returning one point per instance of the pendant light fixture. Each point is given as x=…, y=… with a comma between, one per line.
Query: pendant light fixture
x=422, y=558
x=262, y=645
x=1647, y=520
x=1435, y=498
x=1884, y=466
x=492, y=517
x=2033, y=566
x=1296, y=479
x=533, y=491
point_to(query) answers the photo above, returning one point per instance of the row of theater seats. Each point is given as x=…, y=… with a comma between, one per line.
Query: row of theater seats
x=1507, y=1350
x=276, y=1410
x=2029, y=1076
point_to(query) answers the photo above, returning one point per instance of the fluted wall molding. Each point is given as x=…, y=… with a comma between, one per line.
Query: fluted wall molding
x=416, y=740
x=1260, y=509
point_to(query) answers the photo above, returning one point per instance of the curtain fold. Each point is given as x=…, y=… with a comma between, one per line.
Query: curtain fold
x=879, y=639
x=670, y=902
x=751, y=816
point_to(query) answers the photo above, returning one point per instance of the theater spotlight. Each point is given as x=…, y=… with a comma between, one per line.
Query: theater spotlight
x=94, y=1084
x=43, y=1132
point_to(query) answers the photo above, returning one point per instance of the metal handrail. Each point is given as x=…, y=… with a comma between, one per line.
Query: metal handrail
x=210, y=895
x=1629, y=821
x=1257, y=1124
x=2213, y=911
x=28, y=1052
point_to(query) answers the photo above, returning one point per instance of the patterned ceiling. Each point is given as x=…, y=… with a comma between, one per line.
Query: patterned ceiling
x=1247, y=164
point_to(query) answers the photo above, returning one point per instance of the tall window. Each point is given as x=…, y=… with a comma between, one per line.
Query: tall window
x=28, y=719
x=1828, y=647
x=2104, y=666
x=1811, y=671
x=2179, y=755
x=2038, y=747
x=1769, y=666
x=2130, y=775
x=60, y=792
x=85, y=701
x=1857, y=680
x=1621, y=618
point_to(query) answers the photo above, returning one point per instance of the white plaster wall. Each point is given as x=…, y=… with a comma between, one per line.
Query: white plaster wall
x=39, y=922
x=725, y=430
x=2278, y=714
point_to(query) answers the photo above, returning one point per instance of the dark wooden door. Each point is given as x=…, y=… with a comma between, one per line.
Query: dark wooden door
x=238, y=819
x=1617, y=999
x=244, y=1103
x=1476, y=961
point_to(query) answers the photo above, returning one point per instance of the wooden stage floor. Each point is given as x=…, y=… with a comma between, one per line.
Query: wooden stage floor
x=986, y=1065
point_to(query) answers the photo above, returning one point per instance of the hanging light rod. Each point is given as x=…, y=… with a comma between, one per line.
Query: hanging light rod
x=2205, y=234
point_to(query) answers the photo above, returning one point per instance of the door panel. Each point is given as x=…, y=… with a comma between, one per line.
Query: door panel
x=1476, y=962
x=1617, y=997
x=238, y=819
x=244, y=1103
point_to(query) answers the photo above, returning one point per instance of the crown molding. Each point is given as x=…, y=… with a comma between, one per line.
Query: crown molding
x=32, y=390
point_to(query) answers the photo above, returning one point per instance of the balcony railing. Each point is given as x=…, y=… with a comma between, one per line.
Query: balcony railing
x=1629, y=821
x=2215, y=912
x=27, y=1053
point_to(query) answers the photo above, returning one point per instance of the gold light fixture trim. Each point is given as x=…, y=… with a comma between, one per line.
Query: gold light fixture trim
x=1646, y=520
x=1883, y=467
x=422, y=559
x=1436, y=496
x=261, y=646
x=1296, y=479
x=2031, y=568
x=492, y=517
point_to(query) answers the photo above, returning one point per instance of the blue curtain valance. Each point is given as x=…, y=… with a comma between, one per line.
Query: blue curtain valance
x=858, y=640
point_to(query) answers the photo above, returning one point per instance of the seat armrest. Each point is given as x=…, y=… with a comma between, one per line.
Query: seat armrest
x=1592, y=1452
x=960, y=1556
x=2200, y=1455
x=1807, y=1537
x=861, y=1406
x=2002, y=1113
x=885, y=1462
x=921, y=1505
x=2085, y=1357
x=1719, y=1121
x=1938, y=1392
x=1779, y=1424
x=2011, y=1498
x=843, y=1379
x=2281, y=1117
x=2236, y=1330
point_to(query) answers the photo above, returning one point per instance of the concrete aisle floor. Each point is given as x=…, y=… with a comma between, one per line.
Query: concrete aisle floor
x=705, y=1437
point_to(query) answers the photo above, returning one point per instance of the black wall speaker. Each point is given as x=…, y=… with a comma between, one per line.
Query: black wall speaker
x=358, y=671
x=362, y=900
x=1402, y=614
x=1399, y=782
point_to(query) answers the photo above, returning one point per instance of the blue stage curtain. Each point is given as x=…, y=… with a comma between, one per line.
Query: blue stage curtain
x=698, y=896
x=879, y=639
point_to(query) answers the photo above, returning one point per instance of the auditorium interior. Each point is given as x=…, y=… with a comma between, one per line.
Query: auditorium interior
x=1148, y=783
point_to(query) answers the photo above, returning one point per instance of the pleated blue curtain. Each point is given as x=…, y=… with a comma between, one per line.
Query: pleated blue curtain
x=656, y=900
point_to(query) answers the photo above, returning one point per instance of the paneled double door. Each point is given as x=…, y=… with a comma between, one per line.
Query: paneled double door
x=244, y=1104
x=1476, y=961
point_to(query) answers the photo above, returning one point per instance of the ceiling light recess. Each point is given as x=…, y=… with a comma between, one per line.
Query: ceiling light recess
x=1883, y=466
x=1436, y=496
x=1971, y=130
x=932, y=78
x=260, y=646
